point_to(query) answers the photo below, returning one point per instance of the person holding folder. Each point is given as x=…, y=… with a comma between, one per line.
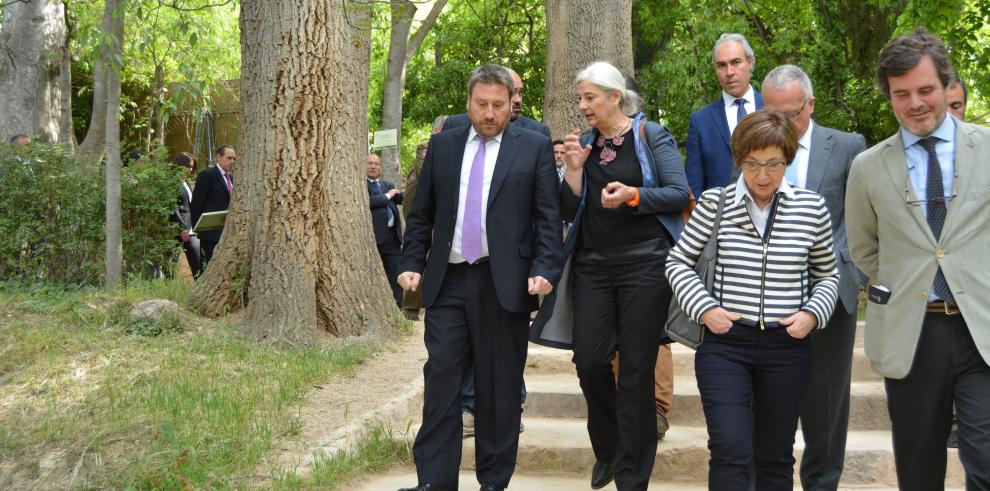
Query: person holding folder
x=214, y=186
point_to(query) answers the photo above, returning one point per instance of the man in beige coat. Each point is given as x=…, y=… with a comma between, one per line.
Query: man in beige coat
x=918, y=220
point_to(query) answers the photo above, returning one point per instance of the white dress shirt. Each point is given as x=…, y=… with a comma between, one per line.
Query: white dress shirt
x=491, y=155
x=731, y=108
x=800, y=162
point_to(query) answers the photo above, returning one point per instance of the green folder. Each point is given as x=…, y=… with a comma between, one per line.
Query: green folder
x=211, y=220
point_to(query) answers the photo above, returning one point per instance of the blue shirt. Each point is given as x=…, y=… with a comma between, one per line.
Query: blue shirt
x=917, y=160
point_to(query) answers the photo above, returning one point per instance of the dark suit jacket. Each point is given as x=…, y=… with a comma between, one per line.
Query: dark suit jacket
x=210, y=194
x=523, y=220
x=380, y=204
x=461, y=120
x=181, y=213
x=708, y=162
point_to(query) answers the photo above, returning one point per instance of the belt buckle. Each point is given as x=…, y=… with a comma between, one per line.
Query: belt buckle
x=950, y=309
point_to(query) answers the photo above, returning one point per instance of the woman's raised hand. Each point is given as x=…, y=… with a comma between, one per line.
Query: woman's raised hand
x=574, y=155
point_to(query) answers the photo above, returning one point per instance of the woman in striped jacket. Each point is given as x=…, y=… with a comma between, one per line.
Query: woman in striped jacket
x=775, y=282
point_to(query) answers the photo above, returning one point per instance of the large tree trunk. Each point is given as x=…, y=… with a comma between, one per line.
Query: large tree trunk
x=96, y=135
x=401, y=49
x=114, y=249
x=32, y=42
x=605, y=29
x=297, y=248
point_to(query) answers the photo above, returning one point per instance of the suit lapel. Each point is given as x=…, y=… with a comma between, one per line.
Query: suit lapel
x=966, y=154
x=506, y=156
x=819, y=156
x=223, y=181
x=895, y=161
x=455, y=163
x=719, y=120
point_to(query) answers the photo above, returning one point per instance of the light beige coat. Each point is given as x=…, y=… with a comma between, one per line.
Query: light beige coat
x=891, y=242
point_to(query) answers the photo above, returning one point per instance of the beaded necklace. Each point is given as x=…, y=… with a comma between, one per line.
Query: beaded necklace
x=608, y=144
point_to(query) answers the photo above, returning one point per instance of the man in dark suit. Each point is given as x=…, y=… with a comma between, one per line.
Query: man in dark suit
x=483, y=241
x=822, y=165
x=461, y=120
x=214, y=187
x=708, y=163
x=386, y=222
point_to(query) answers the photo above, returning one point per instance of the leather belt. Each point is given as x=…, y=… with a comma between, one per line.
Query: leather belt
x=940, y=307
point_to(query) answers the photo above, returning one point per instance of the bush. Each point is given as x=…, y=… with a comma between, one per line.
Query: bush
x=52, y=225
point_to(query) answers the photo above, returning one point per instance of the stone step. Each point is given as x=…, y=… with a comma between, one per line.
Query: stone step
x=559, y=396
x=405, y=477
x=544, y=361
x=561, y=447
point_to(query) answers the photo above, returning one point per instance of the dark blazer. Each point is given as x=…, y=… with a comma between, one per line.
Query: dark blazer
x=380, y=204
x=210, y=194
x=460, y=120
x=708, y=161
x=523, y=220
x=181, y=213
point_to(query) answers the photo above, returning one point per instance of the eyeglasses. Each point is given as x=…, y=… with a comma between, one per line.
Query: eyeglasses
x=753, y=166
x=938, y=199
x=798, y=112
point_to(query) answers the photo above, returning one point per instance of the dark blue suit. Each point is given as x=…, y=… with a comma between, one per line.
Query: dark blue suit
x=708, y=163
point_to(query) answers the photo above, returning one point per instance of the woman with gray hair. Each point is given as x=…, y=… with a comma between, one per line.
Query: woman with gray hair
x=624, y=189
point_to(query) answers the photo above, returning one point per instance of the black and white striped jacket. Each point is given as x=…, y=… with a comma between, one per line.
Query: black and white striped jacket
x=764, y=279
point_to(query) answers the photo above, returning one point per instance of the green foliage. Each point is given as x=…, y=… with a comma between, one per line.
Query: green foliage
x=52, y=225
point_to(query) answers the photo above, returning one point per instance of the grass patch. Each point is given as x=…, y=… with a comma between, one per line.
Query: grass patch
x=87, y=402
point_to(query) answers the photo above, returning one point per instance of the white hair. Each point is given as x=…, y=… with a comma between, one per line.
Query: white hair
x=736, y=38
x=608, y=78
x=779, y=78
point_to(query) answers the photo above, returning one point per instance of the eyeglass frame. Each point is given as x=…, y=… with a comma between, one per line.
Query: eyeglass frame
x=944, y=199
x=763, y=166
x=797, y=113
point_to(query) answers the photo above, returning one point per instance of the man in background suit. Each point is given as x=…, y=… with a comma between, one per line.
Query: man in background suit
x=483, y=241
x=708, y=161
x=956, y=98
x=460, y=120
x=822, y=165
x=214, y=187
x=386, y=221
x=917, y=224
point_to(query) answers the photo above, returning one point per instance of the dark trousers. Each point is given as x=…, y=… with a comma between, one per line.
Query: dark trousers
x=620, y=305
x=193, y=255
x=467, y=391
x=947, y=369
x=752, y=385
x=391, y=253
x=467, y=323
x=206, y=247
x=825, y=417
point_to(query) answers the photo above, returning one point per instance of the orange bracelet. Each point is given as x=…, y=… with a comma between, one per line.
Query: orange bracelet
x=635, y=200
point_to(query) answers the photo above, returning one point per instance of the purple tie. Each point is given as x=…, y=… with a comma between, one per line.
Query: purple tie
x=471, y=227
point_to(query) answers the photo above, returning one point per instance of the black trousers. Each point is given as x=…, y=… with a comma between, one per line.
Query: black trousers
x=947, y=369
x=752, y=385
x=391, y=253
x=825, y=417
x=206, y=247
x=467, y=323
x=193, y=255
x=624, y=305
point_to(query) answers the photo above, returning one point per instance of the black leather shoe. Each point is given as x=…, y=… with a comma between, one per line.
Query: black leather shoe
x=491, y=487
x=602, y=474
x=425, y=487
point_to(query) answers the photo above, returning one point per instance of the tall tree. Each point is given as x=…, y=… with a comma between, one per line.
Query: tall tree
x=606, y=34
x=297, y=248
x=401, y=49
x=113, y=28
x=32, y=45
x=114, y=227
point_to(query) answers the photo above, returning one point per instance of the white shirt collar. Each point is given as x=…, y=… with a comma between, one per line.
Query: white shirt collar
x=730, y=101
x=805, y=141
x=472, y=134
x=743, y=191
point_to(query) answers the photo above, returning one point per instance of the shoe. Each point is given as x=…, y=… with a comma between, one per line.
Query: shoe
x=467, y=417
x=411, y=315
x=521, y=426
x=491, y=487
x=425, y=487
x=602, y=474
x=953, y=441
x=662, y=425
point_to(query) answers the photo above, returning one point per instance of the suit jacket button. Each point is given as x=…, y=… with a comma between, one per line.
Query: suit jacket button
x=924, y=295
x=940, y=253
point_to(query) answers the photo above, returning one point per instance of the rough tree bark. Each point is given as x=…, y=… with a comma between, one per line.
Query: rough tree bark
x=580, y=32
x=401, y=48
x=114, y=248
x=32, y=43
x=297, y=248
x=94, y=142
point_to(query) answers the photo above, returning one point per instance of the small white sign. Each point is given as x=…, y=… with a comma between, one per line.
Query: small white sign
x=386, y=138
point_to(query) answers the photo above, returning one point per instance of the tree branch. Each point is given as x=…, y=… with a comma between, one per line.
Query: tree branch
x=417, y=38
x=175, y=5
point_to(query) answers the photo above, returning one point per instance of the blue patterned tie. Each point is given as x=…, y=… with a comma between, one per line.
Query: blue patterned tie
x=740, y=110
x=935, y=198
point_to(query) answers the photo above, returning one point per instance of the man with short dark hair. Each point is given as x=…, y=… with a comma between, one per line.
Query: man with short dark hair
x=515, y=118
x=956, y=98
x=821, y=165
x=708, y=159
x=917, y=226
x=386, y=221
x=558, y=156
x=483, y=241
x=20, y=140
x=214, y=187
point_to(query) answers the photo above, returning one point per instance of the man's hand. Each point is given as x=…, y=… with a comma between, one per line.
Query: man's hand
x=409, y=280
x=616, y=194
x=538, y=285
x=184, y=235
x=800, y=324
x=392, y=192
x=719, y=320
